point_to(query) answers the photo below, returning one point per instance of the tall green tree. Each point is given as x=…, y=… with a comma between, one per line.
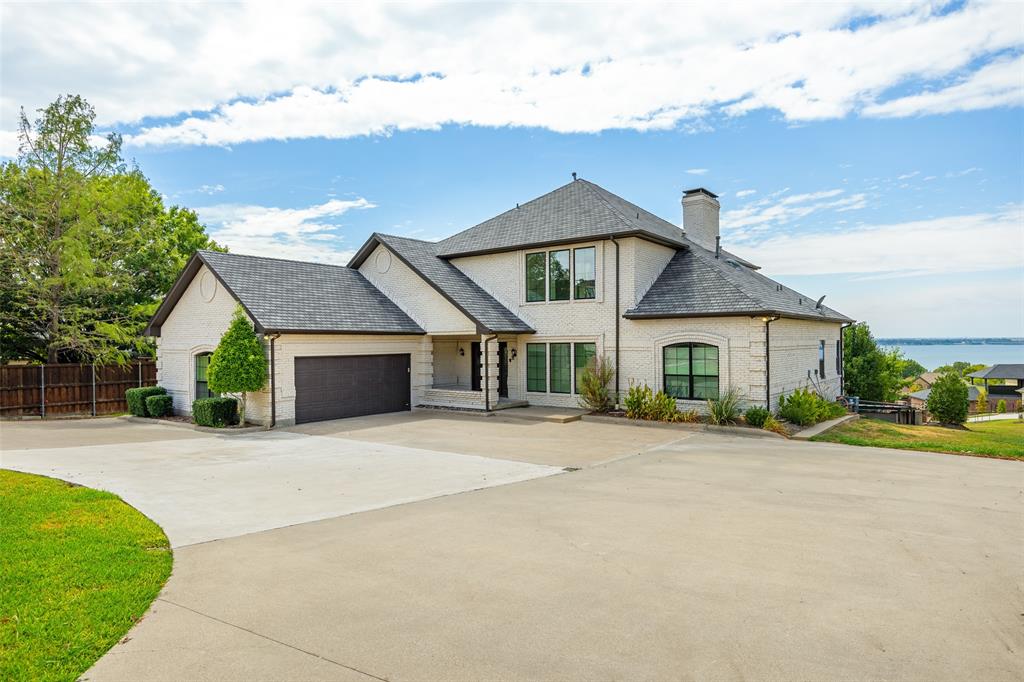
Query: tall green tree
x=869, y=372
x=947, y=400
x=238, y=364
x=87, y=247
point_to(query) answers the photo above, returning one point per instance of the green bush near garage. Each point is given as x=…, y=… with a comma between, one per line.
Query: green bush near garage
x=159, y=405
x=215, y=412
x=136, y=399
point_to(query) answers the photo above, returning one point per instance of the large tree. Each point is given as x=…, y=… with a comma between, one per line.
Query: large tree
x=869, y=372
x=87, y=247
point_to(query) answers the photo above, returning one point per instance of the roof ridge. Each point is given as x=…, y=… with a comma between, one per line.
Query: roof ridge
x=638, y=207
x=723, y=276
x=518, y=206
x=282, y=260
x=590, y=187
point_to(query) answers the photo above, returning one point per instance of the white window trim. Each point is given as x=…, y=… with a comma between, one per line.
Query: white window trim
x=724, y=357
x=192, y=353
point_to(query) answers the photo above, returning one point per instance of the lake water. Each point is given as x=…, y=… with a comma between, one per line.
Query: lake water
x=932, y=356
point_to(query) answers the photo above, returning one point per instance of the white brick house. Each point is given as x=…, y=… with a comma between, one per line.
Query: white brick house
x=506, y=313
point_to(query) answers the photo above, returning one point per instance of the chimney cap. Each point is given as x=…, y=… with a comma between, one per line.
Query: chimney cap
x=699, y=190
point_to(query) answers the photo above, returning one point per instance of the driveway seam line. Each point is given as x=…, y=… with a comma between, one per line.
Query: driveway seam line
x=271, y=639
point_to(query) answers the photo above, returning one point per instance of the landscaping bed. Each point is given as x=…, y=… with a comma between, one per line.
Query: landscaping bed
x=1002, y=439
x=80, y=568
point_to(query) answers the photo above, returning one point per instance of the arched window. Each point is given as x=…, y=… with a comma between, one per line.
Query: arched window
x=691, y=370
x=202, y=389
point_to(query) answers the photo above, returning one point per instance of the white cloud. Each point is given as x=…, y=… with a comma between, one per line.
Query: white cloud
x=960, y=174
x=965, y=243
x=998, y=84
x=239, y=73
x=697, y=171
x=755, y=218
x=210, y=189
x=309, y=234
x=907, y=176
x=745, y=193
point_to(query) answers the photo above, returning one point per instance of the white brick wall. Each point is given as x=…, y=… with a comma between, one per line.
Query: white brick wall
x=794, y=352
x=411, y=293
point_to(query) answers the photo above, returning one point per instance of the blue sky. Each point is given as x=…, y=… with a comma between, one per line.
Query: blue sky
x=859, y=152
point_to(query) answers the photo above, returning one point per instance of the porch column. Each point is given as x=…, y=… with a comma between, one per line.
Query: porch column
x=489, y=369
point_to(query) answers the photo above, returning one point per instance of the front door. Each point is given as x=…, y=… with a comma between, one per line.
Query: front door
x=474, y=351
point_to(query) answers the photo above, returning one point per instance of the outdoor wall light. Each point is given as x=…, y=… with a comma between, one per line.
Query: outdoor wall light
x=514, y=354
x=462, y=351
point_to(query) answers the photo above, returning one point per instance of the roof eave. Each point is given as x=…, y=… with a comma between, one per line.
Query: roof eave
x=632, y=315
x=348, y=332
x=642, y=234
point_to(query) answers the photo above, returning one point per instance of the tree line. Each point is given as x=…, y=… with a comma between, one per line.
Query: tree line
x=87, y=246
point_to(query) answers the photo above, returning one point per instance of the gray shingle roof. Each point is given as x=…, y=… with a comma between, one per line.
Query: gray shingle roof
x=1004, y=371
x=696, y=284
x=293, y=296
x=453, y=284
x=577, y=211
x=972, y=393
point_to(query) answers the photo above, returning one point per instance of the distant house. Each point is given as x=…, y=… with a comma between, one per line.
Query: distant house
x=919, y=399
x=927, y=380
x=1011, y=377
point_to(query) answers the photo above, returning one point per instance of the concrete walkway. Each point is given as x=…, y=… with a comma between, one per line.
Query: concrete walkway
x=817, y=429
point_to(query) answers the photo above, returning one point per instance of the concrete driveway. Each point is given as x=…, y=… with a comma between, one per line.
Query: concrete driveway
x=705, y=557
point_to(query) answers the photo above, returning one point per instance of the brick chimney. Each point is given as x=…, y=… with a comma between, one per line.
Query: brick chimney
x=700, y=217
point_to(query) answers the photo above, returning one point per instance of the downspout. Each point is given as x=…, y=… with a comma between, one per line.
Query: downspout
x=768, y=363
x=273, y=389
x=487, y=373
x=617, y=315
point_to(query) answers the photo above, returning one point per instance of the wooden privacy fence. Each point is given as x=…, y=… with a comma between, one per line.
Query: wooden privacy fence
x=50, y=390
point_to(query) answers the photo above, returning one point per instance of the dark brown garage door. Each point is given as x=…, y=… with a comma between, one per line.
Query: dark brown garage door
x=350, y=386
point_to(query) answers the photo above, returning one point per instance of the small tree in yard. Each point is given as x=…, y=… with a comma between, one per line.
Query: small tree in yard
x=981, y=404
x=238, y=365
x=948, y=399
x=1001, y=406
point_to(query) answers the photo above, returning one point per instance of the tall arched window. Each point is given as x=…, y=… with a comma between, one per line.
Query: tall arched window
x=691, y=370
x=202, y=389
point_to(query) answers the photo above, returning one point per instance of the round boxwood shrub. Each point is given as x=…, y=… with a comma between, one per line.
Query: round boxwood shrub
x=215, y=411
x=159, y=405
x=756, y=416
x=136, y=399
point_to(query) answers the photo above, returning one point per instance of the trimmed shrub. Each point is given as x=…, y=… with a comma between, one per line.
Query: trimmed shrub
x=663, y=408
x=725, y=409
x=1001, y=406
x=947, y=400
x=159, y=405
x=215, y=411
x=136, y=399
x=238, y=365
x=805, y=407
x=756, y=416
x=594, y=380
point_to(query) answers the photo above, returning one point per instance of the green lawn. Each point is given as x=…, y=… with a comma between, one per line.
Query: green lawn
x=1004, y=438
x=78, y=567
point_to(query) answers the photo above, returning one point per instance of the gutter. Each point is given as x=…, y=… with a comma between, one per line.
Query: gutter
x=768, y=362
x=273, y=388
x=617, y=317
x=487, y=373
x=842, y=355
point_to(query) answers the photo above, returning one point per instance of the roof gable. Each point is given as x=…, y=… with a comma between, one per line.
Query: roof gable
x=1004, y=371
x=293, y=296
x=577, y=211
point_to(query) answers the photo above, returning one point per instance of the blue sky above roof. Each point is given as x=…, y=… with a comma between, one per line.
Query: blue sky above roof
x=870, y=152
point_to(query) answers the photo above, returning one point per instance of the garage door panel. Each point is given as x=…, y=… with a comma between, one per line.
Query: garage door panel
x=335, y=387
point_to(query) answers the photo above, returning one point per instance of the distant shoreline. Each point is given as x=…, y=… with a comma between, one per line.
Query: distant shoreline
x=994, y=341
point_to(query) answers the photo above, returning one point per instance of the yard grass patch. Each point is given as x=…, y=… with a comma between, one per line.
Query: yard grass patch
x=79, y=568
x=1004, y=439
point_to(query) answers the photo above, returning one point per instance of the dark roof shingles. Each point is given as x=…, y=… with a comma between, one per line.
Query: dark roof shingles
x=286, y=295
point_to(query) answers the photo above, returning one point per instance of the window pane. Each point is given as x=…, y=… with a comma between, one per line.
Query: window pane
x=558, y=284
x=585, y=354
x=536, y=367
x=202, y=363
x=584, y=262
x=561, y=371
x=677, y=386
x=705, y=387
x=677, y=360
x=535, y=277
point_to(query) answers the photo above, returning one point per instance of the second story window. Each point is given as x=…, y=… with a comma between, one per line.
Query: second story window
x=584, y=263
x=562, y=275
x=558, y=275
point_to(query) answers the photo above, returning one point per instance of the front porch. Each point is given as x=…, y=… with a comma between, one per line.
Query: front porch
x=462, y=370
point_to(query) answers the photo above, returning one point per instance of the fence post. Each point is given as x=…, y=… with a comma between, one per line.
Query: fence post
x=94, y=389
x=42, y=390
x=139, y=364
